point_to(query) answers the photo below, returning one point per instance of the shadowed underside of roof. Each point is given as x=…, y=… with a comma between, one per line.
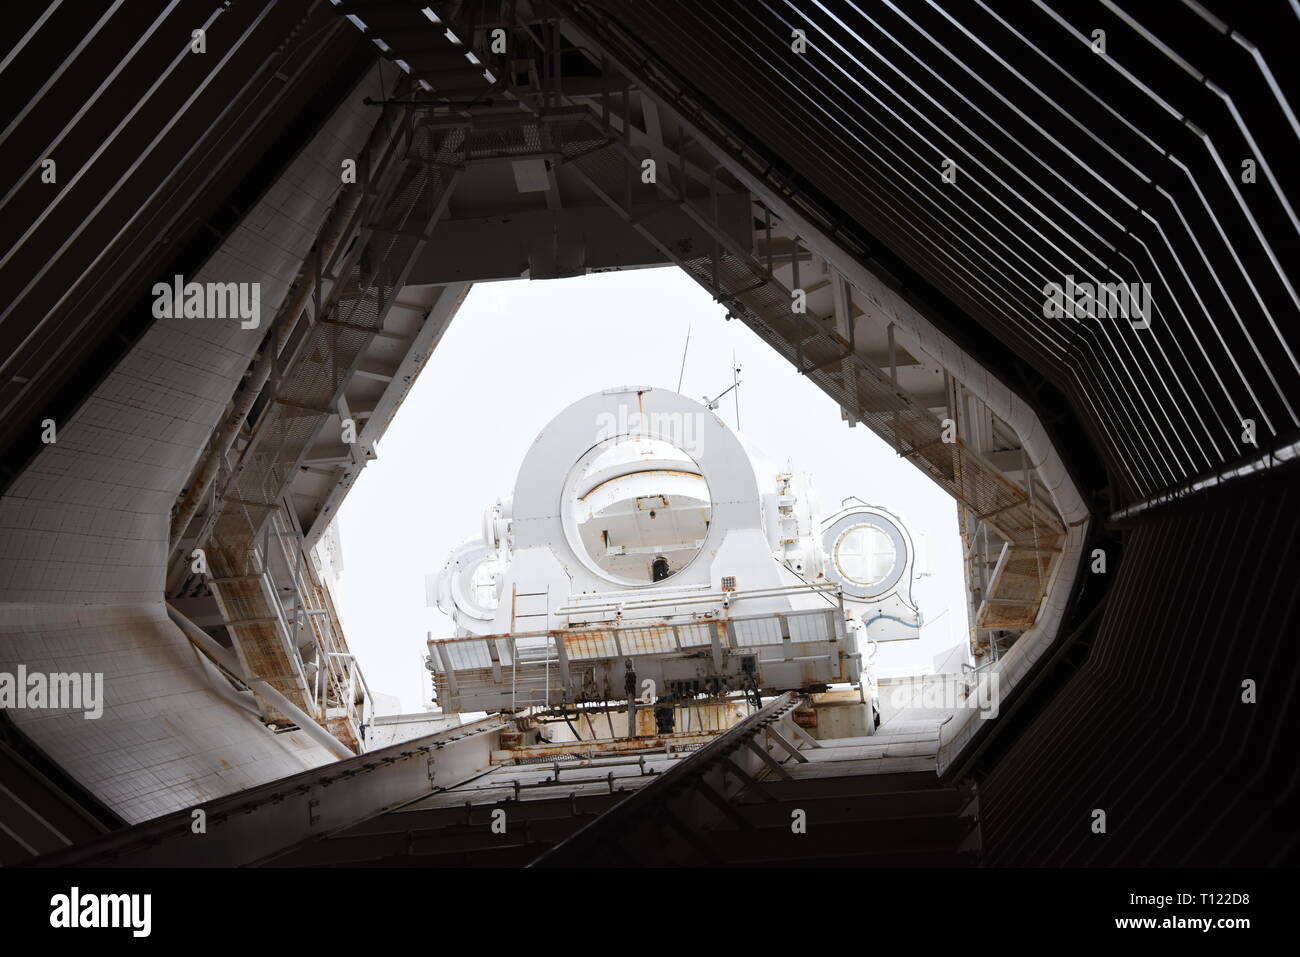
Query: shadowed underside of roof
x=158, y=153
x=970, y=153
x=1114, y=157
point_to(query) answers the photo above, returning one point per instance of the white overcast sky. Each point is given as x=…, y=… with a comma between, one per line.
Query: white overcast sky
x=517, y=354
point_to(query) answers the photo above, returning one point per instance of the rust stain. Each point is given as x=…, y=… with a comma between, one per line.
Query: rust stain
x=599, y=643
x=650, y=742
x=574, y=637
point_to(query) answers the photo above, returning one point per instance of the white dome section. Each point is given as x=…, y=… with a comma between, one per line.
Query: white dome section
x=636, y=509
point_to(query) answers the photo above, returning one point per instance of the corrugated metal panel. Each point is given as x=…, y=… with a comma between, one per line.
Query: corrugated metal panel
x=1152, y=729
x=1122, y=166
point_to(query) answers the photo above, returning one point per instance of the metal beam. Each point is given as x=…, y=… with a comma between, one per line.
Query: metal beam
x=437, y=318
x=260, y=824
x=228, y=660
x=688, y=796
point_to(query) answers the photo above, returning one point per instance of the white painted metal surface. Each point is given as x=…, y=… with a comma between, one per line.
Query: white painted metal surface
x=647, y=553
x=84, y=531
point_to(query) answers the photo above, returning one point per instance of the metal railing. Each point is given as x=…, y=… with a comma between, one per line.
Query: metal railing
x=534, y=667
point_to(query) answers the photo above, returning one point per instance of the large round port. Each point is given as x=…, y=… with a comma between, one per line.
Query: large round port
x=864, y=555
x=868, y=553
x=636, y=510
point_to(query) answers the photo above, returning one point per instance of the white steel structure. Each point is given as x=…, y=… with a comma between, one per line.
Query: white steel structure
x=648, y=554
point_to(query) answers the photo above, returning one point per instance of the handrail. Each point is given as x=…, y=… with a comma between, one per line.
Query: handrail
x=624, y=626
x=729, y=597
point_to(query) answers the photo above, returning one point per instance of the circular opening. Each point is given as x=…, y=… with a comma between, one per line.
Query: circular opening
x=483, y=584
x=864, y=555
x=637, y=509
x=470, y=582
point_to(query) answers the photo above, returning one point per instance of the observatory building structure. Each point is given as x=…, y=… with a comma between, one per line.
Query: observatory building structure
x=1039, y=249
